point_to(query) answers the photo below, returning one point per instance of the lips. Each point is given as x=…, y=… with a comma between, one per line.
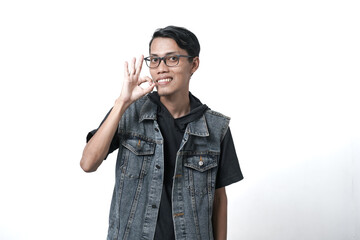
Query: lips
x=164, y=80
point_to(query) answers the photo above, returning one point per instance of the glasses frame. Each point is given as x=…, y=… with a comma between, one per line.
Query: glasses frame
x=147, y=59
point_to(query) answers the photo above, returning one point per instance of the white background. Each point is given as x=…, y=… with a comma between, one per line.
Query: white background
x=287, y=72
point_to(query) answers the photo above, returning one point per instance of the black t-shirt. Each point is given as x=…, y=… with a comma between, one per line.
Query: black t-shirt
x=172, y=131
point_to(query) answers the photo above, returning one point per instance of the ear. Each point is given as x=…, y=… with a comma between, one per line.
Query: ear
x=195, y=65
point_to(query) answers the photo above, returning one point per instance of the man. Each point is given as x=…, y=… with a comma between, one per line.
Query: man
x=175, y=154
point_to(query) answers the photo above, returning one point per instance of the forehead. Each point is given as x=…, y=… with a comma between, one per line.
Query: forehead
x=162, y=46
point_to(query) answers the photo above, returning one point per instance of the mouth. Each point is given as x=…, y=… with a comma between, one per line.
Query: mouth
x=164, y=80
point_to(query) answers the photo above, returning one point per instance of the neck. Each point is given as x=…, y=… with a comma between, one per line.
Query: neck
x=177, y=105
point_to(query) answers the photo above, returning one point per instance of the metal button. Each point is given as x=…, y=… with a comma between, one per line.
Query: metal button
x=201, y=163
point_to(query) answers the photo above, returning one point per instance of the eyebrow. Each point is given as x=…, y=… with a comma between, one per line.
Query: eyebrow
x=166, y=54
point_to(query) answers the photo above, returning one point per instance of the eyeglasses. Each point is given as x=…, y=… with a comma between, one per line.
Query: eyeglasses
x=170, y=60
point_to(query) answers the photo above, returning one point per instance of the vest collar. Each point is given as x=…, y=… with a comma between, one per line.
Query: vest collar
x=148, y=111
x=198, y=128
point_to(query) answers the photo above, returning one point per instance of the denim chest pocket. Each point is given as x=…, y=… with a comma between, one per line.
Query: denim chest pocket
x=136, y=157
x=201, y=173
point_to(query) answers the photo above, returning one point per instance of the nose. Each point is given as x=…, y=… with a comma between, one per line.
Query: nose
x=162, y=67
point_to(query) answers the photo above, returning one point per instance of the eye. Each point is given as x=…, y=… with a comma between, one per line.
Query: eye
x=172, y=58
x=154, y=59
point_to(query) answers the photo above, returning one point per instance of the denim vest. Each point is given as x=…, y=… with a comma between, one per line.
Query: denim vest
x=139, y=175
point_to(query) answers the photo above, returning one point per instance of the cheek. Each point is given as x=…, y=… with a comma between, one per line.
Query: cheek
x=184, y=74
x=153, y=73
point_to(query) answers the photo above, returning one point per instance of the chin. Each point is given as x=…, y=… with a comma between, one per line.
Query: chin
x=163, y=92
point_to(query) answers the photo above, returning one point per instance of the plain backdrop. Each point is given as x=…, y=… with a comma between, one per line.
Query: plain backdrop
x=286, y=72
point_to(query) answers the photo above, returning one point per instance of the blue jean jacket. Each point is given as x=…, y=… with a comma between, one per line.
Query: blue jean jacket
x=139, y=175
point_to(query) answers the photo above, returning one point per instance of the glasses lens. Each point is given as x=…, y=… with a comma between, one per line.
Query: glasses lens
x=172, y=61
x=152, y=62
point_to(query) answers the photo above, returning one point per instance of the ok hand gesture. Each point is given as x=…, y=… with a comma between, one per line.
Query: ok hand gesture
x=131, y=90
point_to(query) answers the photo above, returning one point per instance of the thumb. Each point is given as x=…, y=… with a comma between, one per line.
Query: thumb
x=145, y=79
x=149, y=88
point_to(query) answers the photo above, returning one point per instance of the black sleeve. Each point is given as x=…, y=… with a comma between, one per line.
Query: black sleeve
x=228, y=168
x=114, y=142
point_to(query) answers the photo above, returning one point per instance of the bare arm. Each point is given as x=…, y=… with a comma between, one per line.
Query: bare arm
x=98, y=146
x=219, y=219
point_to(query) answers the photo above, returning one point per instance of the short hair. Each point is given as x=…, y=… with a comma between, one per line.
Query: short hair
x=184, y=38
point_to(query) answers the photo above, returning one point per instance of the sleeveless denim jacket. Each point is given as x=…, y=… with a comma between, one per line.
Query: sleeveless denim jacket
x=139, y=175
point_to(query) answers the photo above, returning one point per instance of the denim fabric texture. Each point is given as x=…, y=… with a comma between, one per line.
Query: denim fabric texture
x=139, y=175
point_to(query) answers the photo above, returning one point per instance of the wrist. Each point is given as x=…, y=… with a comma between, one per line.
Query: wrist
x=120, y=106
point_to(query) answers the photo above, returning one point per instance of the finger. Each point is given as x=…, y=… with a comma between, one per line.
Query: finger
x=133, y=61
x=126, y=70
x=139, y=65
x=148, y=89
x=145, y=79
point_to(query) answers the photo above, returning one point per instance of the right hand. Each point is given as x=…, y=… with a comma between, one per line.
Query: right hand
x=131, y=90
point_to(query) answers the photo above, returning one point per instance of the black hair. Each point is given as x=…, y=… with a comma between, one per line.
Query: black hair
x=184, y=38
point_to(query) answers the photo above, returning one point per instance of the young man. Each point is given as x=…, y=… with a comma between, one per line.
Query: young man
x=175, y=154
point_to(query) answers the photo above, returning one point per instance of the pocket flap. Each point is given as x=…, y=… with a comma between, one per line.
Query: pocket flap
x=139, y=146
x=201, y=163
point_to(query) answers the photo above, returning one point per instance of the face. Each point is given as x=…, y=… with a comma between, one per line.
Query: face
x=171, y=81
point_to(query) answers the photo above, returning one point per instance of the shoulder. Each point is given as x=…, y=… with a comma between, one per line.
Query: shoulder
x=217, y=122
x=138, y=105
x=140, y=102
x=215, y=114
